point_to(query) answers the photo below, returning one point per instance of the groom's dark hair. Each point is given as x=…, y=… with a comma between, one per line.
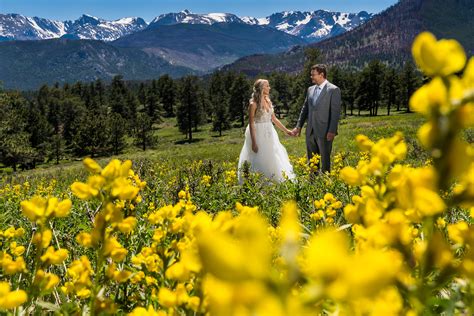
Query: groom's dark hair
x=321, y=69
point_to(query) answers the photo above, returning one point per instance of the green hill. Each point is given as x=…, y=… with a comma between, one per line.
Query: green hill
x=204, y=47
x=29, y=64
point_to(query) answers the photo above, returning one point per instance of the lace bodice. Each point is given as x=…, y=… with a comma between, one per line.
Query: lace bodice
x=262, y=116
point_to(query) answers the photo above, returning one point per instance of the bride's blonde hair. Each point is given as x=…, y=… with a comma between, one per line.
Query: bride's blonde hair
x=257, y=94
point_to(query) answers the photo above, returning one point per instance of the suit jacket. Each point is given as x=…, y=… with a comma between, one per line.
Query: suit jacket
x=322, y=114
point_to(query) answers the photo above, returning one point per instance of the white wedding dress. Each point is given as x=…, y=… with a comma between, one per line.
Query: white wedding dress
x=271, y=159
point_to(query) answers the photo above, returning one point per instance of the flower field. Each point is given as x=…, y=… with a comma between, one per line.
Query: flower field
x=376, y=236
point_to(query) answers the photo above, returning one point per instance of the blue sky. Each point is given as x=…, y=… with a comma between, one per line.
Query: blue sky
x=148, y=9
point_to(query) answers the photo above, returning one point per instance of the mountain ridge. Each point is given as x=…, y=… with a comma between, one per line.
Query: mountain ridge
x=388, y=36
x=312, y=26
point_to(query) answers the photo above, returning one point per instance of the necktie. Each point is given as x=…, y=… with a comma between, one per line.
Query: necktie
x=318, y=91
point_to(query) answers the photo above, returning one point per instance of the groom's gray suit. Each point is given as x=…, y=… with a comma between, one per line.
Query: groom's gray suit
x=322, y=113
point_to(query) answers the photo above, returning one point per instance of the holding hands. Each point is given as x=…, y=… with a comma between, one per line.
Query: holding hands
x=294, y=132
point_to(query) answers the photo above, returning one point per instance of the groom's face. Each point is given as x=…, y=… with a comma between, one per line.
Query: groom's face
x=317, y=77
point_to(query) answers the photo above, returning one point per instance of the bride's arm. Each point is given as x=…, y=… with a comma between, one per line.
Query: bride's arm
x=252, y=109
x=280, y=125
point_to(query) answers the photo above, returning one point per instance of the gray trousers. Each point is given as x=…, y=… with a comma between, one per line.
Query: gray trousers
x=322, y=147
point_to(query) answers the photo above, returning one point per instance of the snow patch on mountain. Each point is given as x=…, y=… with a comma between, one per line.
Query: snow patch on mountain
x=19, y=27
x=312, y=26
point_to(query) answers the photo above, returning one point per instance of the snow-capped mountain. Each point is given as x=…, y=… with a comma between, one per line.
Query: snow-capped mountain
x=313, y=26
x=89, y=27
x=193, y=18
x=19, y=27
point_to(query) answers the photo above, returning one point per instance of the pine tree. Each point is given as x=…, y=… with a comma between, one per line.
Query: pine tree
x=390, y=88
x=188, y=108
x=410, y=80
x=339, y=77
x=219, y=103
x=15, y=145
x=369, y=92
x=118, y=94
x=101, y=94
x=73, y=113
x=239, y=98
x=56, y=147
x=133, y=106
x=144, y=137
x=39, y=129
x=142, y=94
x=116, y=133
x=54, y=100
x=94, y=135
x=153, y=106
x=280, y=92
x=167, y=92
x=203, y=107
x=43, y=99
x=349, y=94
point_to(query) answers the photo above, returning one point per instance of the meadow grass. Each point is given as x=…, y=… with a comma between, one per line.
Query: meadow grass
x=174, y=149
x=207, y=145
x=174, y=164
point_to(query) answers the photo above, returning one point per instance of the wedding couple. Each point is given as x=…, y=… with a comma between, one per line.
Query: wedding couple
x=262, y=148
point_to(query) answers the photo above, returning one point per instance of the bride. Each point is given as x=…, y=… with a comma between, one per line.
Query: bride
x=262, y=148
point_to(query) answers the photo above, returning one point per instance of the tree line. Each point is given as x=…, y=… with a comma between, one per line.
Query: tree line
x=99, y=119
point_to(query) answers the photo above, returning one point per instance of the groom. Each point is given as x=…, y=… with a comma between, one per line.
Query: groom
x=322, y=108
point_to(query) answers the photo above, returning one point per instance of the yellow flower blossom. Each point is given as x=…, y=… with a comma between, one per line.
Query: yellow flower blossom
x=92, y=166
x=114, y=249
x=123, y=189
x=84, y=239
x=119, y=276
x=127, y=225
x=11, y=232
x=45, y=281
x=440, y=222
x=248, y=252
x=458, y=232
x=166, y=298
x=43, y=239
x=54, y=257
x=83, y=190
x=141, y=311
x=11, y=266
x=350, y=176
x=438, y=58
x=430, y=98
x=206, y=180
x=16, y=250
x=11, y=299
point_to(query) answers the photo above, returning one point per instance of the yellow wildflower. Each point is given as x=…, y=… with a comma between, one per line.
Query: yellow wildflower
x=54, y=257
x=92, y=166
x=438, y=58
x=46, y=281
x=11, y=299
x=127, y=225
x=167, y=298
x=83, y=191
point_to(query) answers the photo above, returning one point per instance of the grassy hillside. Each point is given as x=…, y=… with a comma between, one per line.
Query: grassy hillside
x=27, y=65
